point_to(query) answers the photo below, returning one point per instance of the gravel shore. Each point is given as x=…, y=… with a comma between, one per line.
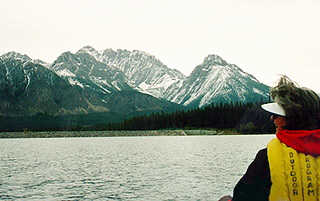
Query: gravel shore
x=55, y=134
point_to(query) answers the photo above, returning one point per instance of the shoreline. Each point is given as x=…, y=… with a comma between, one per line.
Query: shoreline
x=68, y=134
x=120, y=133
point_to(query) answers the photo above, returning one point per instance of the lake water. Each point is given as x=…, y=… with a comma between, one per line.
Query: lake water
x=125, y=168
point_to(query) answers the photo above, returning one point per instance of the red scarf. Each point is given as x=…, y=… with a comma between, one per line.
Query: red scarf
x=304, y=141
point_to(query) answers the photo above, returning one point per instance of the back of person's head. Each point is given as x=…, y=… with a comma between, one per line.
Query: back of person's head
x=301, y=105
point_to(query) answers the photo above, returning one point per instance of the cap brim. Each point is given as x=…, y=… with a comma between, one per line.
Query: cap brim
x=274, y=108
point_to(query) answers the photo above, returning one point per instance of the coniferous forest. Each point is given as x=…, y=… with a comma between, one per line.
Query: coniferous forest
x=242, y=117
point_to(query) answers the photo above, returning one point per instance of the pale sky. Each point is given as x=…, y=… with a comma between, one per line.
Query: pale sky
x=263, y=38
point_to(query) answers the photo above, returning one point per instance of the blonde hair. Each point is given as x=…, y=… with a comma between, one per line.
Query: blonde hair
x=301, y=105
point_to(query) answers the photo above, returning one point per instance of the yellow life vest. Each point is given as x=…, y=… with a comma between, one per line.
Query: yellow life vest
x=295, y=176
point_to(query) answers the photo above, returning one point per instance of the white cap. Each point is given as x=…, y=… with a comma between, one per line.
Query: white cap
x=274, y=108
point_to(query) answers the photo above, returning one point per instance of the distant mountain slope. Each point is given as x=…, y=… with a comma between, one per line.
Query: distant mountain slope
x=216, y=81
x=83, y=70
x=27, y=88
x=134, y=102
x=143, y=70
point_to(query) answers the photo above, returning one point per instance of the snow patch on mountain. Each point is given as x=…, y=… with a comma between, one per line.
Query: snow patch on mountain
x=65, y=73
x=75, y=82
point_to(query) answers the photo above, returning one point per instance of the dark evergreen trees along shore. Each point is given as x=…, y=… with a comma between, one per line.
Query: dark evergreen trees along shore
x=217, y=116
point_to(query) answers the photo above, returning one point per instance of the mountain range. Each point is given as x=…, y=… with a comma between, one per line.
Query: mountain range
x=123, y=82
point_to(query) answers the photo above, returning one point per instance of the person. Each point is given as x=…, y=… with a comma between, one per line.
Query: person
x=289, y=168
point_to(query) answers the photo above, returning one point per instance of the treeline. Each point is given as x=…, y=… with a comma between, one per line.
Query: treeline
x=242, y=117
x=220, y=116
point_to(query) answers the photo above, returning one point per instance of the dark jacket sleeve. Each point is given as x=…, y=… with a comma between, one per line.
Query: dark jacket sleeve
x=256, y=183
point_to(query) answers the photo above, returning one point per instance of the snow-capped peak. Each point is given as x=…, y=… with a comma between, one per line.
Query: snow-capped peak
x=23, y=57
x=86, y=49
x=91, y=51
x=16, y=55
x=213, y=59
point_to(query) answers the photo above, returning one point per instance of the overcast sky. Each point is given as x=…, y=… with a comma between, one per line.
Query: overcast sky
x=264, y=38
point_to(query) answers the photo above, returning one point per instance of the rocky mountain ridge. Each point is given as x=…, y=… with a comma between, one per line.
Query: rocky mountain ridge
x=23, y=57
x=85, y=71
x=143, y=71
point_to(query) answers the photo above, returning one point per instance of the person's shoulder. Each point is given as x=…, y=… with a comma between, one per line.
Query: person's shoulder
x=262, y=156
x=262, y=153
